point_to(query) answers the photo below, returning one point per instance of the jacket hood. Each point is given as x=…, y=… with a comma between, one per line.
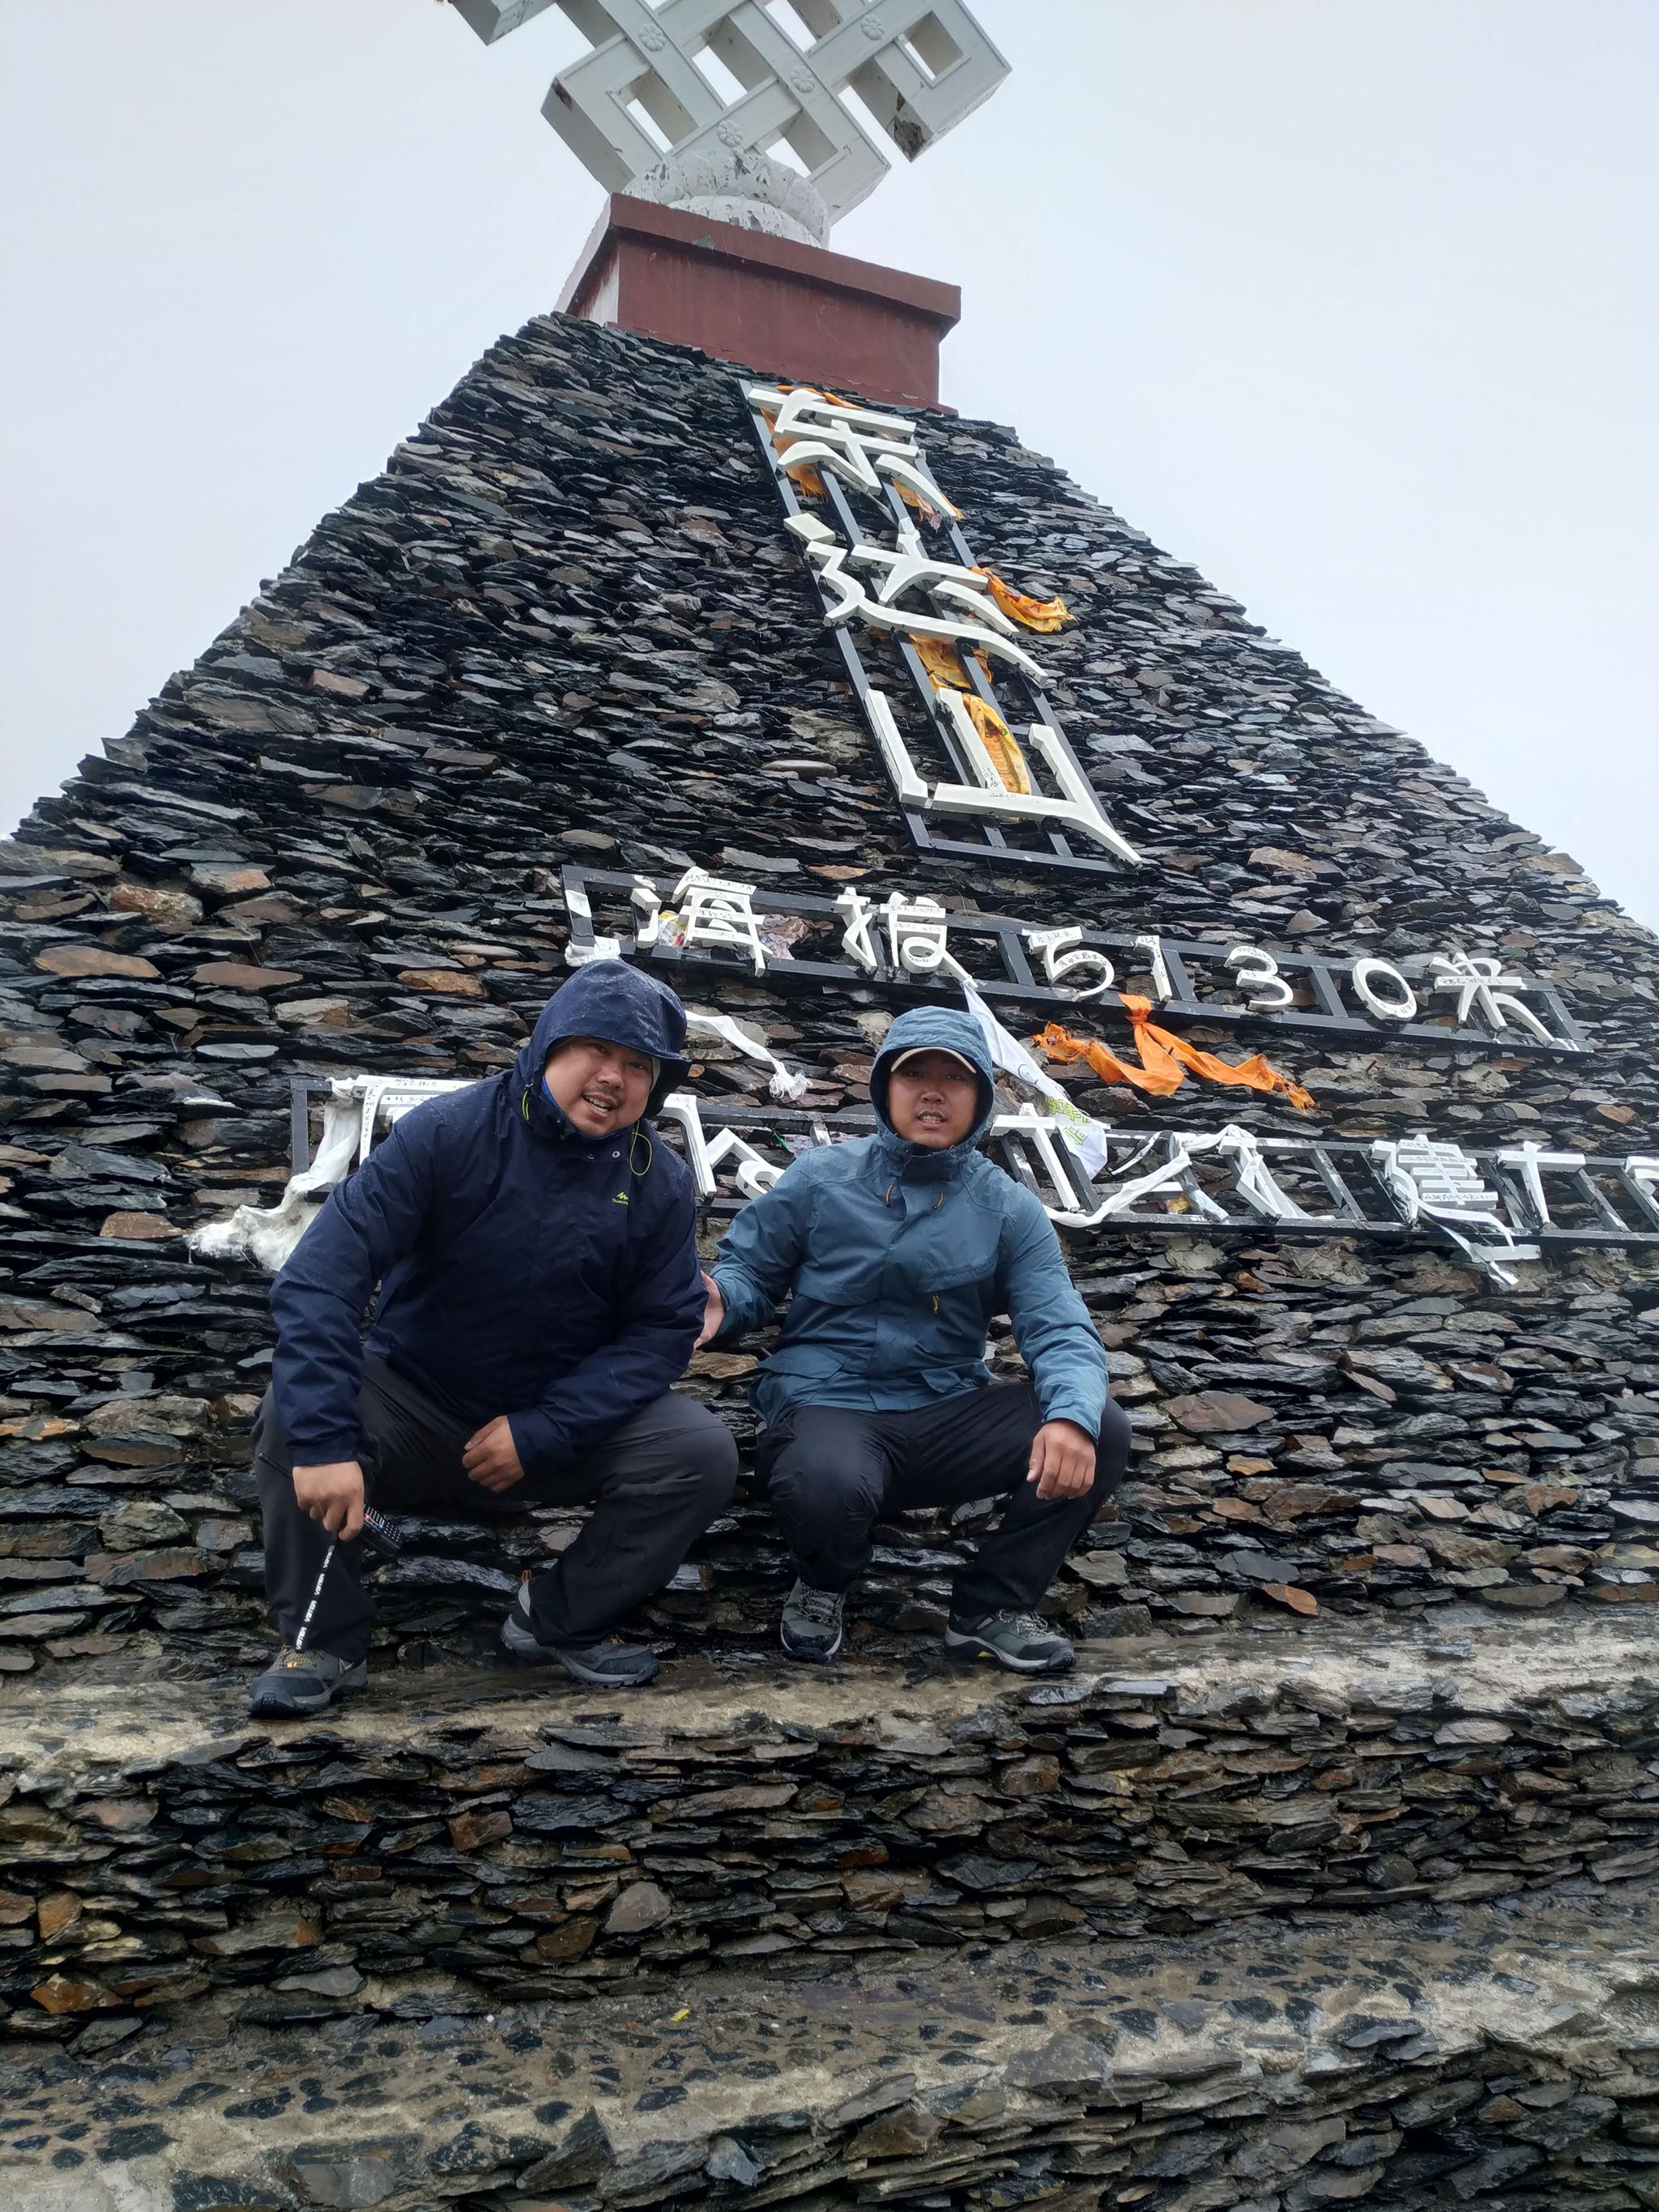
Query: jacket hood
x=945, y=1031
x=610, y=999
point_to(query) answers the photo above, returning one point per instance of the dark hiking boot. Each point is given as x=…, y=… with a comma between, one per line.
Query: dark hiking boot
x=304, y=1682
x=811, y=1626
x=609, y=1662
x=1017, y=1640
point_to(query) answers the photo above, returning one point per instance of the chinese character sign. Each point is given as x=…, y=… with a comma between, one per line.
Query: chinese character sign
x=927, y=635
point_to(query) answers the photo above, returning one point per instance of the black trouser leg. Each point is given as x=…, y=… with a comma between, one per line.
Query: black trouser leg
x=412, y=1455
x=1016, y=1563
x=656, y=1482
x=834, y=1472
x=827, y=1471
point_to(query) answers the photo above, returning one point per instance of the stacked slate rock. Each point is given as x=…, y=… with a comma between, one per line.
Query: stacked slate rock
x=1412, y=1521
x=567, y=625
x=162, y=1848
x=1179, y=2076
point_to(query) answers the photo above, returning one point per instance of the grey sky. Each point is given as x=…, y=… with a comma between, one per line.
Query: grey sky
x=1351, y=302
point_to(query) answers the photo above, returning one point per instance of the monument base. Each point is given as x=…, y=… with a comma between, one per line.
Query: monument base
x=774, y=304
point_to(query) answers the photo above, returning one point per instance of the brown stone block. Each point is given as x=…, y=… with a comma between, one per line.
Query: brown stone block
x=469, y=1830
x=88, y=960
x=137, y=1228
x=58, y=1993
x=445, y=983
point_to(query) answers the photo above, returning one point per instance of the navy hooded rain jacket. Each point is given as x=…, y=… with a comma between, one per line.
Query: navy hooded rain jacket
x=895, y=1258
x=525, y=1268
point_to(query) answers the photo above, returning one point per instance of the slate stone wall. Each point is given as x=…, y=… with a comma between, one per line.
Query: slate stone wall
x=566, y=624
x=158, y=1848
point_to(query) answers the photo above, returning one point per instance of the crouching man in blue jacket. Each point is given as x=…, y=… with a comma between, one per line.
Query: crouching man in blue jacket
x=894, y=1252
x=538, y=1294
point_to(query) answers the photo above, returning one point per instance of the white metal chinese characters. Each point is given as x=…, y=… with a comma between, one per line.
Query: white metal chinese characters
x=1438, y=1181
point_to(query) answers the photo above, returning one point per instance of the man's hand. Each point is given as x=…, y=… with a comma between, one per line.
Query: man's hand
x=1062, y=1460
x=714, y=1313
x=332, y=1495
x=491, y=1457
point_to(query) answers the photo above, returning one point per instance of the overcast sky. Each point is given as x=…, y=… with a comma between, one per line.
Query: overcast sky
x=1351, y=302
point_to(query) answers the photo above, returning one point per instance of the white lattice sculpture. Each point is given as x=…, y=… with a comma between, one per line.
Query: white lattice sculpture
x=918, y=66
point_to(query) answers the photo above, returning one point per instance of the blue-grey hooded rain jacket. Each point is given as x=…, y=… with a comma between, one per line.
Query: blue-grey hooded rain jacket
x=524, y=1267
x=895, y=1258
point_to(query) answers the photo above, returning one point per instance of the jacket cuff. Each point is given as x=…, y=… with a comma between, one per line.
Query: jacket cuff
x=326, y=1451
x=538, y=1439
x=1086, y=1418
x=737, y=1322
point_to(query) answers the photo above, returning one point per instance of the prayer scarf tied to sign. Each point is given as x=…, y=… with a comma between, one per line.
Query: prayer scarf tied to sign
x=1166, y=1059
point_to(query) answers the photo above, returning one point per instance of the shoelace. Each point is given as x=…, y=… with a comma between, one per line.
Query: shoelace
x=821, y=1607
x=1025, y=1624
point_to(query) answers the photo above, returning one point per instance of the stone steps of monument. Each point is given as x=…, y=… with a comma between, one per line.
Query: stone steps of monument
x=1507, y=2058
x=533, y=1838
x=117, y=1552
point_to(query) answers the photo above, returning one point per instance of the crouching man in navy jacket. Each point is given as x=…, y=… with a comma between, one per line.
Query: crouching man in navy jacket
x=538, y=1294
x=894, y=1252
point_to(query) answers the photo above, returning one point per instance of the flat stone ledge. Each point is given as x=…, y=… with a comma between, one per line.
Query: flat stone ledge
x=1500, y=2057
x=532, y=1840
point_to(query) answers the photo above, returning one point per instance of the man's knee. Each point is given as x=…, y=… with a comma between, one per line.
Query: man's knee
x=824, y=1490
x=711, y=1459
x=695, y=1454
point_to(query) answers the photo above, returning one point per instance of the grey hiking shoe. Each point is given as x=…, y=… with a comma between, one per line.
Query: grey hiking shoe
x=304, y=1682
x=609, y=1662
x=1018, y=1640
x=811, y=1626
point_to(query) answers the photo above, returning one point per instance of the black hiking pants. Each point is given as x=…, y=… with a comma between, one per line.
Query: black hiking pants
x=832, y=1472
x=655, y=1483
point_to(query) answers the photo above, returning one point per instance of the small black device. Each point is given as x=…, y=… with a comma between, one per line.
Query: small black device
x=379, y=1536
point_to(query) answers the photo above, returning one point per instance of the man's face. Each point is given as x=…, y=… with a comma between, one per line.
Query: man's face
x=933, y=1100
x=600, y=1086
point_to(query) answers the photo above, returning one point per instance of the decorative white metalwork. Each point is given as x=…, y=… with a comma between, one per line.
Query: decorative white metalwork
x=918, y=66
x=1265, y=990
x=1437, y=1181
x=1162, y=989
x=1478, y=981
x=785, y=1085
x=715, y=911
x=917, y=930
x=1064, y=954
x=703, y=1154
x=865, y=449
x=1079, y=810
x=906, y=590
x=911, y=568
x=1533, y=1161
x=355, y=1104
x=1402, y=1009
x=1093, y=1173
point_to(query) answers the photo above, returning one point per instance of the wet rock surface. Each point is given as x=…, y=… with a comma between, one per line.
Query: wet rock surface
x=156, y=1846
x=1505, y=2059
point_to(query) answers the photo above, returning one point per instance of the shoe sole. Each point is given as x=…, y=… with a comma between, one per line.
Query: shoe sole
x=549, y=1655
x=976, y=1647
x=810, y=1658
x=265, y=1709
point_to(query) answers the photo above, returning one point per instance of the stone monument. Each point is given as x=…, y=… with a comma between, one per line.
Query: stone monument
x=1328, y=1875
